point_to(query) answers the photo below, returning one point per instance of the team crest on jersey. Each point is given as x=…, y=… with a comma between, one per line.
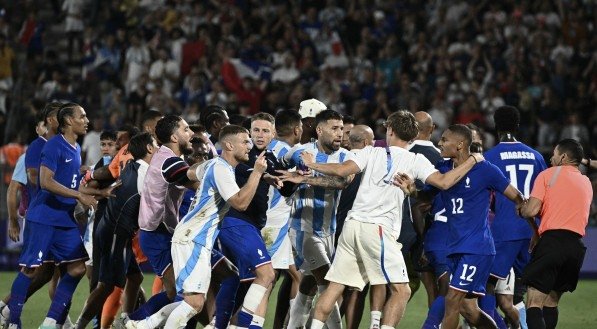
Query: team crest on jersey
x=39, y=256
x=260, y=253
x=467, y=182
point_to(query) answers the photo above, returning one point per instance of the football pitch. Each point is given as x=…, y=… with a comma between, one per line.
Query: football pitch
x=578, y=310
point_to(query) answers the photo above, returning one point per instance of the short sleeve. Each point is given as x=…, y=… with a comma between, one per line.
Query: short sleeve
x=225, y=181
x=174, y=170
x=293, y=157
x=361, y=157
x=50, y=156
x=20, y=174
x=423, y=168
x=32, y=160
x=497, y=180
x=114, y=166
x=540, y=186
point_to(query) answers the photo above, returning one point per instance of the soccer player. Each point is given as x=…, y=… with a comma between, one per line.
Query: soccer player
x=194, y=236
x=51, y=228
x=511, y=235
x=368, y=247
x=313, y=216
x=562, y=197
x=160, y=202
x=470, y=245
x=289, y=129
x=116, y=229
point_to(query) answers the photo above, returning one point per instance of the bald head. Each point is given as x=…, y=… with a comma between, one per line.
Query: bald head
x=360, y=136
x=425, y=125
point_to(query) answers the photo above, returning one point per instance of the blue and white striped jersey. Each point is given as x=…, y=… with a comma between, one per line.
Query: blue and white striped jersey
x=217, y=185
x=278, y=207
x=314, y=208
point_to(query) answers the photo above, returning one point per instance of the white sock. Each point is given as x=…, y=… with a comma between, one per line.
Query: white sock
x=257, y=321
x=49, y=322
x=385, y=326
x=6, y=312
x=159, y=318
x=180, y=316
x=253, y=298
x=375, y=319
x=316, y=324
x=297, y=311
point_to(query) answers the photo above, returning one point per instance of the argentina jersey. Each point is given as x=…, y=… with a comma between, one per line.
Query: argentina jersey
x=278, y=207
x=64, y=160
x=217, y=185
x=467, y=208
x=314, y=208
x=521, y=164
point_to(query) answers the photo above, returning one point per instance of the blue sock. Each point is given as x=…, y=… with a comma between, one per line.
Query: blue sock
x=501, y=324
x=18, y=295
x=435, y=314
x=225, y=301
x=487, y=304
x=243, y=320
x=64, y=315
x=63, y=295
x=154, y=304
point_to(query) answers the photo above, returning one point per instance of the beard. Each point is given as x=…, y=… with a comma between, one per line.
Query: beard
x=186, y=148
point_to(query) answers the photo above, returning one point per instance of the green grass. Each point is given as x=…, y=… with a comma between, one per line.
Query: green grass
x=578, y=310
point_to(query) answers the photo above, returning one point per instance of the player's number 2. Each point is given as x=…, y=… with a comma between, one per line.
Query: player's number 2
x=457, y=206
x=470, y=269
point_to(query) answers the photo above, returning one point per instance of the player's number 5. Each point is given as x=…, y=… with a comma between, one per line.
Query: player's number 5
x=73, y=183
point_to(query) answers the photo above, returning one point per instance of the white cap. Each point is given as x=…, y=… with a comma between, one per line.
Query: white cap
x=310, y=108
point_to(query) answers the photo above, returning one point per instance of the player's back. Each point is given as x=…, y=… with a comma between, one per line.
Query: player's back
x=521, y=164
x=378, y=201
x=208, y=208
x=467, y=208
x=278, y=206
x=314, y=208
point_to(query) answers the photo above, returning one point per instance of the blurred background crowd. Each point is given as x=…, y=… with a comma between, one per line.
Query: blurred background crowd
x=458, y=60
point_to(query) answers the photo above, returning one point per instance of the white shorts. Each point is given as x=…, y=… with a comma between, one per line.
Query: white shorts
x=367, y=253
x=506, y=286
x=278, y=246
x=88, y=242
x=191, y=263
x=312, y=251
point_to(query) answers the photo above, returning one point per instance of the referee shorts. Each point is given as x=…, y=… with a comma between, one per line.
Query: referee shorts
x=555, y=262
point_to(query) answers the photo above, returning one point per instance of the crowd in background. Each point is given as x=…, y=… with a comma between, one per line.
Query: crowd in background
x=458, y=60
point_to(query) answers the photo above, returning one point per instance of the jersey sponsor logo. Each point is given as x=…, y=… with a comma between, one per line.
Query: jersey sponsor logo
x=68, y=160
x=463, y=283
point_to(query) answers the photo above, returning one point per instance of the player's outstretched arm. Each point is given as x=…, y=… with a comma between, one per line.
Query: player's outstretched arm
x=449, y=179
x=343, y=169
x=514, y=194
x=331, y=182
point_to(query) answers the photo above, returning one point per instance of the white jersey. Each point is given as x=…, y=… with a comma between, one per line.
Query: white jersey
x=314, y=208
x=217, y=185
x=278, y=207
x=378, y=201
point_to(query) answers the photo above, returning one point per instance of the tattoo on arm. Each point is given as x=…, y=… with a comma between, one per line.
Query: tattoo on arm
x=328, y=181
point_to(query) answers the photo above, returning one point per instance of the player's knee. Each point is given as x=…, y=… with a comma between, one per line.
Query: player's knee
x=135, y=278
x=196, y=301
x=76, y=270
x=29, y=272
x=401, y=289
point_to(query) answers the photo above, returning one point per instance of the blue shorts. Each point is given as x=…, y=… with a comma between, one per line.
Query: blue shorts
x=216, y=256
x=156, y=246
x=43, y=243
x=438, y=260
x=242, y=243
x=470, y=272
x=510, y=254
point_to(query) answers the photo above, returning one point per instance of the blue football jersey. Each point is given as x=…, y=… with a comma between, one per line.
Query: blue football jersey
x=64, y=160
x=521, y=164
x=32, y=161
x=467, y=208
